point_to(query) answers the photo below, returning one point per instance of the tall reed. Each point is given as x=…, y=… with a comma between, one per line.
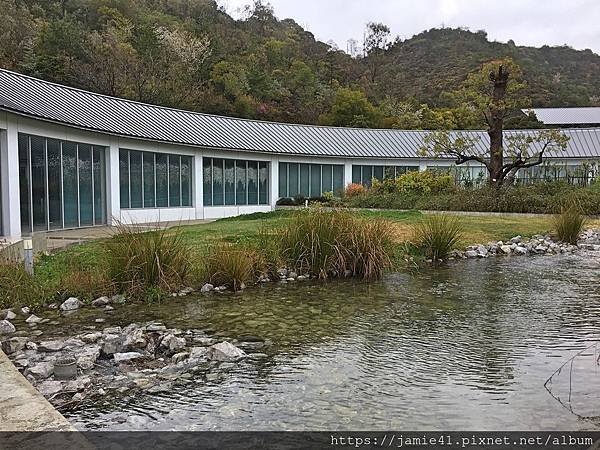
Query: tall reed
x=569, y=223
x=437, y=235
x=231, y=266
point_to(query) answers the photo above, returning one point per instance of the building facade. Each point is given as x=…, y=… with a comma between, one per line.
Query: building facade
x=71, y=158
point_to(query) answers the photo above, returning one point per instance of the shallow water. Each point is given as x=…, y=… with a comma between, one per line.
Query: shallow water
x=468, y=346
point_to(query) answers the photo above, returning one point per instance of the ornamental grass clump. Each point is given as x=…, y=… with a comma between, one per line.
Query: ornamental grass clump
x=232, y=266
x=19, y=288
x=436, y=235
x=147, y=261
x=569, y=223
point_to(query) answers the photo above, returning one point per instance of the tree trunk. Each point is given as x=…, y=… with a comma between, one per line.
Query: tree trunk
x=496, y=126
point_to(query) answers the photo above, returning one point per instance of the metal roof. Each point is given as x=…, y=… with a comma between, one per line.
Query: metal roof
x=567, y=116
x=52, y=102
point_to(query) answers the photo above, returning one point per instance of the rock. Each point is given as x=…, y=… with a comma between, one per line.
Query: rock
x=172, y=343
x=128, y=356
x=41, y=371
x=14, y=345
x=506, y=249
x=51, y=346
x=516, y=240
x=292, y=275
x=6, y=327
x=197, y=354
x=471, y=254
x=70, y=304
x=541, y=249
x=118, y=299
x=134, y=338
x=520, y=250
x=302, y=277
x=78, y=397
x=90, y=338
x=100, y=320
x=9, y=315
x=178, y=357
x=113, y=343
x=52, y=306
x=33, y=319
x=108, y=308
x=225, y=351
x=49, y=388
x=282, y=273
x=101, y=391
x=242, y=286
x=112, y=330
x=155, y=327
x=482, y=251
x=31, y=346
x=290, y=279
x=25, y=310
x=101, y=301
x=87, y=357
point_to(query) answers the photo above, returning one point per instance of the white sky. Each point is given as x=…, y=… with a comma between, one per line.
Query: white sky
x=527, y=22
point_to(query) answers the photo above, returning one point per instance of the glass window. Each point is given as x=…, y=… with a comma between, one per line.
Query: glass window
x=24, y=183
x=367, y=175
x=229, y=180
x=294, y=180
x=124, y=177
x=218, y=188
x=356, y=174
x=315, y=180
x=38, y=182
x=240, y=179
x=162, y=180
x=283, y=180
x=253, y=182
x=207, y=181
x=327, y=180
x=71, y=203
x=99, y=163
x=263, y=183
x=149, y=182
x=378, y=172
x=174, y=181
x=390, y=172
x=305, y=180
x=54, y=184
x=186, y=181
x=135, y=179
x=86, y=197
x=338, y=179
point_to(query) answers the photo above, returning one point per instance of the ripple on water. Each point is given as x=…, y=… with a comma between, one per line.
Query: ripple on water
x=467, y=346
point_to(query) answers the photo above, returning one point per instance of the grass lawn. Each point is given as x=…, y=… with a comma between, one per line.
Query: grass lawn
x=477, y=229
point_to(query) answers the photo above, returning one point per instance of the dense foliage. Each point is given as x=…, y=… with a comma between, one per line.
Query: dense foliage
x=190, y=54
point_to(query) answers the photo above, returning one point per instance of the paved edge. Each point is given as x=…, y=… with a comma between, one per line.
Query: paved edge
x=22, y=407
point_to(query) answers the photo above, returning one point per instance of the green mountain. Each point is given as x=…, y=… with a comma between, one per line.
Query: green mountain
x=190, y=54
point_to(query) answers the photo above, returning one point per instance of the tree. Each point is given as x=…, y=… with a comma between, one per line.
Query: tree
x=376, y=42
x=352, y=108
x=495, y=92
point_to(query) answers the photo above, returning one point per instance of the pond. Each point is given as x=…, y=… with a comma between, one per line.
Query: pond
x=468, y=346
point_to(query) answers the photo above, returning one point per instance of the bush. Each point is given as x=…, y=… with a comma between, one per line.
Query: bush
x=18, y=288
x=437, y=235
x=569, y=223
x=417, y=182
x=231, y=266
x=141, y=261
x=354, y=190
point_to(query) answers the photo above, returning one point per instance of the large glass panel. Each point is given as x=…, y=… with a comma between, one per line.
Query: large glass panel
x=304, y=180
x=367, y=175
x=149, y=182
x=378, y=172
x=207, y=181
x=327, y=178
x=240, y=179
x=162, y=181
x=38, y=182
x=124, y=177
x=174, y=181
x=54, y=184
x=390, y=172
x=99, y=163
x=263, y=183
x=71, y=199
x=253, y=182
x=294, y=179
x=135, y=181
x=283, y=180
x=86, y=198
x=356, y=178
x=24, y=183
x=229, y=180
x=315, y=180
x=218, y=192
x=338, y=179
x=186, y=181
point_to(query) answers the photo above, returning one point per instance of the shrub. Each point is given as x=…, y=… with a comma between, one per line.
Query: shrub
x=231, y=266
x=140, y=261
x=19, y=288
x=424, y=182
x=569, y=223
x=354, y=190
x=437, y=235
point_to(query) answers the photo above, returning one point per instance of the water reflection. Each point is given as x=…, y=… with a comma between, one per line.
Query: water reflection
x=463, y=347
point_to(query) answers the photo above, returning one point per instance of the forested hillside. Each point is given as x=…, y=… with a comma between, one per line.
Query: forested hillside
x=190, y=54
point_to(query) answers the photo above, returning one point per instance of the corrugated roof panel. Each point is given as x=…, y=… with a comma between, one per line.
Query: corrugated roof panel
x=567, y=116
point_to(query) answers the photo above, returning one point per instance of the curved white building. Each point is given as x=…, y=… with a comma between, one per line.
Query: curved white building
x=71, y=158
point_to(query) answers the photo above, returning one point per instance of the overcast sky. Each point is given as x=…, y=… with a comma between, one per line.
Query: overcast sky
x=527, y=22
